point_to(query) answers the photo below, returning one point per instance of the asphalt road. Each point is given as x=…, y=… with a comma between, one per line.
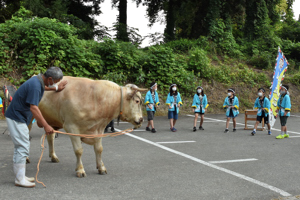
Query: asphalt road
x=205, y=164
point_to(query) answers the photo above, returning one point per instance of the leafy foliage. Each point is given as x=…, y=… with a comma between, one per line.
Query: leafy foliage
x=31, y=44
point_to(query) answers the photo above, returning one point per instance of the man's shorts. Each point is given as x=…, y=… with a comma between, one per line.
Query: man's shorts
x=266, y=119
x=173, y=115
x=283, y=120
x=150, y=115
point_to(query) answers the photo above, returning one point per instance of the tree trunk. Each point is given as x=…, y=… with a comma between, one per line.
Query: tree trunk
x=122, y=33
x=170, y=18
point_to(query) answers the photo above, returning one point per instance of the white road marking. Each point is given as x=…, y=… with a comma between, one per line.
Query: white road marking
x=208, y=121
x=294, y=136
x=139, y=130
x=231, y=161
x=287, y=131
x=174, y=142
x=262, y=184
x=218, y=120
x=295, y=116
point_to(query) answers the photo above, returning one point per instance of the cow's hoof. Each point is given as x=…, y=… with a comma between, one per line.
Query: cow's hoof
x=54, y=159
x=102, y=172
x=81, y=174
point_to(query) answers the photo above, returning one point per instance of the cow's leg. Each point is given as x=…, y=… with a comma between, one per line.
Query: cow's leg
x=98, y=148
x=76, y=142
x=52, y=153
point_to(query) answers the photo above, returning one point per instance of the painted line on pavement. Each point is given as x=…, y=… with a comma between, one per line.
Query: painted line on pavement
x=295, y=116
x=231, y=161
x=139, y=130
x=287, y=131
x=241, y=176
x=218, y=120
x=294, y=136
x=174, y=142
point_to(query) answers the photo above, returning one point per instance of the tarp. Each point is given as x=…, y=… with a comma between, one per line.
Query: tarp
x=278, y=76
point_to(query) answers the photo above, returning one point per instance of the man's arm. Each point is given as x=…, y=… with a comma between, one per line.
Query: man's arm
x=40, y=119
x=60, y=87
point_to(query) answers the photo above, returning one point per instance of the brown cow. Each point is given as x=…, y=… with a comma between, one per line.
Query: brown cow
x=86, y=106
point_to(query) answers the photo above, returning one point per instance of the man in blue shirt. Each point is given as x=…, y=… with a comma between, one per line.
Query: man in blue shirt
x=23, y=107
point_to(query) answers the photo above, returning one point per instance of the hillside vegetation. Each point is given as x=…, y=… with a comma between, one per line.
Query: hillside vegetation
x=29, y=45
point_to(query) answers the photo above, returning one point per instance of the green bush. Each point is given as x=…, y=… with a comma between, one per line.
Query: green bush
x=262, y=60
x=32, y=45
x=199, y=62
x=118, y=57
x=161, y=65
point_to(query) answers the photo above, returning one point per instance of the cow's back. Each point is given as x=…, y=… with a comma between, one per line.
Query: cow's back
x=83, y=101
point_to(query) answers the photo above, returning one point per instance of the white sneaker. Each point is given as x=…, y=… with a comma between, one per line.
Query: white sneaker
x=21, y=180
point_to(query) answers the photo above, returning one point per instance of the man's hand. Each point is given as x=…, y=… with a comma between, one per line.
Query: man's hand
x=178, y=105
x=150, y=107
x=62, y=85
x=170, y=107
x=193, y=109
x=48, y=129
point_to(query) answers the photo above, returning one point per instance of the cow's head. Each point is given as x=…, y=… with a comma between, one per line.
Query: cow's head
x=132, y=105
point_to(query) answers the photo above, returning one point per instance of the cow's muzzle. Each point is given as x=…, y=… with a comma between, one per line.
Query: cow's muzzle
x=139, y=122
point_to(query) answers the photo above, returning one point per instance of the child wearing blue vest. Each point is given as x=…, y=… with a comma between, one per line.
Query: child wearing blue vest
x=151, y=102
x=174, y=102
x=199, y=106
x=1, y=104
x=262, y=104
x=283, y=108
x=231, y=105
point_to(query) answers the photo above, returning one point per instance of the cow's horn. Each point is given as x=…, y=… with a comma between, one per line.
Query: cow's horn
x=140, y=89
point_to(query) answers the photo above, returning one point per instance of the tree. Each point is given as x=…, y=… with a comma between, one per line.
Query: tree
x=256, y=23
x=170, y=9
x=121, y=25
x=76, y=12
x=8, y=8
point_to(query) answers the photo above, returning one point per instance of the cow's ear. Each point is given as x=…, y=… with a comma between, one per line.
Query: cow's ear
x=131, y=94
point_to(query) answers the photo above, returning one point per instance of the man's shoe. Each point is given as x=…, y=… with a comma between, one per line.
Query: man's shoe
x=30, y=179
x=148, y=129
x=226, y=130
x=201, y=128
x=286, y=135
x=153, y=130
x=194, y=129
x=21, y=180
x=253, y=133
x=113, y=130
x=234, y=130
x=280, y=137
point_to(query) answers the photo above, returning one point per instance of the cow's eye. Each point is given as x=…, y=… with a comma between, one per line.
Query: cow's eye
x=137, y=101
